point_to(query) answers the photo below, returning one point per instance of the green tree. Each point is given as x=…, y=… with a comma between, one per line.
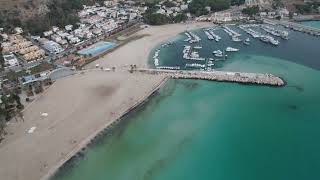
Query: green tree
x=156, y=19
x=1, y=59
x=251, y=11
x=290, y=15
x=277, y=4
x=12, y=76
x=169, y=4
x=198, y=7
x=237, y=2
x=180, y=18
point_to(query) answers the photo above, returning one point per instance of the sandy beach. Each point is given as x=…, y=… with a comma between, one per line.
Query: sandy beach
x=76, y=108
x=137, y=52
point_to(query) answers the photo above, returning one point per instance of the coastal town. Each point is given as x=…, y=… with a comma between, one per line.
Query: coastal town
x=116, y=46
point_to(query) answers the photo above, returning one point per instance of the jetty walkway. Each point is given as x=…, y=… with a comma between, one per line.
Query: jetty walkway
x=295, y=26
x=224, y=76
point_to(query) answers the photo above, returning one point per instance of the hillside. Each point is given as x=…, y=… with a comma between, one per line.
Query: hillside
x=39, y=15
x=290, y=4
x=23, y=8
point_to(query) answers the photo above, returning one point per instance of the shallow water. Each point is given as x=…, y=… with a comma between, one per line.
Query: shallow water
x=206, y=130
x=315, y=24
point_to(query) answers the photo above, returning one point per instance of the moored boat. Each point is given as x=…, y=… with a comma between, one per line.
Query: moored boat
x=231, y=49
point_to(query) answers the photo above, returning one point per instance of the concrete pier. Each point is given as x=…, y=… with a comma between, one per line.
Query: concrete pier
x=224, y=76
x=295, y=26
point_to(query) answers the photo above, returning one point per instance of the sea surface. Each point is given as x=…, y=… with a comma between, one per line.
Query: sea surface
x=315, y=24
x=195, y=130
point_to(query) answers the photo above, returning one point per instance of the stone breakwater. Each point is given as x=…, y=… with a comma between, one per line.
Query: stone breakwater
x=295, y=26
x=224, y=76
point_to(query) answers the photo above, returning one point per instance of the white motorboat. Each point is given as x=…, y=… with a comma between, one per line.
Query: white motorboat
x=230, y=49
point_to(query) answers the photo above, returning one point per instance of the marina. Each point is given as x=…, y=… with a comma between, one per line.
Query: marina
x=243, y=37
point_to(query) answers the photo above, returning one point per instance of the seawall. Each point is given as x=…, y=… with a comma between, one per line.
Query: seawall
x=224, y=76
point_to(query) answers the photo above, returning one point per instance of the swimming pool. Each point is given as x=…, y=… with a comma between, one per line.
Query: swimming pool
x=97, y=48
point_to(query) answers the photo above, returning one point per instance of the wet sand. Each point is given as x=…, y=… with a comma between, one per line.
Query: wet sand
x=79, y=107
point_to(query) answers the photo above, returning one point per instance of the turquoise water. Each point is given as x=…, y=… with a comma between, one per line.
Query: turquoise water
x=315, y=24
x=97, y=48
x=206, y=130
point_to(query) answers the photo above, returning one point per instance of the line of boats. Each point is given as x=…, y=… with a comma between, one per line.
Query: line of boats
x=195, y=65
x=258, y=35
x=233, y=34
x=300, y=28
x=169, y=67
x=166, y=44
x=156, y=57
x=275, y=32
x=191, y=37
x=269, y=39
x=190, y=54
x=211, y=35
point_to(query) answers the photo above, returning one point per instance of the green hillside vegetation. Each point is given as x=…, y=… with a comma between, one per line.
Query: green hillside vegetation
x=161, y=19
x=198, y=7
x=251, y=11
x=61, y=13
x=308, y=8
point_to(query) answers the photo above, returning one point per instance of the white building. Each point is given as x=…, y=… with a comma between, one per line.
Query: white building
x=68, y=27
x=56, y=38
x=55, y=29
x=283, y=12
x=221, y=17
x=5, y=36
x=161, y=11
x=47, y=33
x=18, y=30
x=63, y=42
x=263, y=14
x=53, y=47
x=132, y=16
x=10, y=60
x=109, y=3
x=184, y=7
